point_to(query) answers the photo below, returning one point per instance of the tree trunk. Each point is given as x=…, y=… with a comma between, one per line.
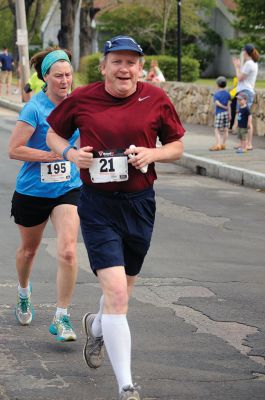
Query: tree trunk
x=85, y=38
x=167, y=6
x=36, y=20
x=66, y=33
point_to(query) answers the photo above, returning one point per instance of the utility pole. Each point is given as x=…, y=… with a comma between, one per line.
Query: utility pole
x=22, y=43
x=179, y=40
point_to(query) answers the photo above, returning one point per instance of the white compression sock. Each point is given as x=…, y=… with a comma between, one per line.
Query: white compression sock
x=24, y=292
x=96, y=326
x=60, y=311
x=117, y=338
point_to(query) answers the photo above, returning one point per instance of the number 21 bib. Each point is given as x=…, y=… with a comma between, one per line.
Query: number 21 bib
x=109, y=166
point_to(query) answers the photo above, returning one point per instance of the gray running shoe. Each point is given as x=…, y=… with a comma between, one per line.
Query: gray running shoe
x=93, y=351
x=130, y=393
x=24, y=310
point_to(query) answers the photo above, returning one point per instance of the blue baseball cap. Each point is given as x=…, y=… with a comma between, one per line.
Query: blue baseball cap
x=119, y=43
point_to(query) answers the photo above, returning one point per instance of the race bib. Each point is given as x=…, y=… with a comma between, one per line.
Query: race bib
x=109, y=166
x=59, y=171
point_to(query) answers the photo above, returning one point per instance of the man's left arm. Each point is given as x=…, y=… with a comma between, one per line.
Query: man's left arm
x=166, y=153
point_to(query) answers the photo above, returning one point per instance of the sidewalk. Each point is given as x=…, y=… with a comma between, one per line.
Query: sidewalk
x=12, y=102
x=243, y=169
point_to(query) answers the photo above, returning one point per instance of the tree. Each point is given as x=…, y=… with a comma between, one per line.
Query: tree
x=66, y=33
x=250, y=23
x=6, y=23
x=35, y=10
x=85, y=37
x=33, y=15
x=154, y=22
x=134, y=20
x=167, y=7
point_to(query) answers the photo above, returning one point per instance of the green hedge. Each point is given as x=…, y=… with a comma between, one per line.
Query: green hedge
x=190, y=68
x=89, y=71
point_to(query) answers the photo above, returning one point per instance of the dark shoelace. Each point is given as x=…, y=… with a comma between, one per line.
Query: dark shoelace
x=24, y=304
x=66, y=322
x=98, y=343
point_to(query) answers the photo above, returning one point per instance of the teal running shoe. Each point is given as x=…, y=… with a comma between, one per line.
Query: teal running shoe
x=62, y=328
x=24, y=310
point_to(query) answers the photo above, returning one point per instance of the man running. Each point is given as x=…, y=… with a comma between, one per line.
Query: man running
x=119, y=120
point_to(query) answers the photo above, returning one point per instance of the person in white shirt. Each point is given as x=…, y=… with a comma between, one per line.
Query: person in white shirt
x=155, y=74
x=247, y=75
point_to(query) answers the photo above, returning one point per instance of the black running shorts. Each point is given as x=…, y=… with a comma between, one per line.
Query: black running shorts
x=31, y=211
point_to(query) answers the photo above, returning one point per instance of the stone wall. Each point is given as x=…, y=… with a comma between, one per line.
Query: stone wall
x=194, y=104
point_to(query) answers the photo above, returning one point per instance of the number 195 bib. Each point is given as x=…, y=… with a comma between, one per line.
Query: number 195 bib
x=59, y=171
x=109, y=166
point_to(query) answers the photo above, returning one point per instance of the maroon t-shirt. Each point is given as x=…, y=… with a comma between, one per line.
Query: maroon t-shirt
x=106, y=122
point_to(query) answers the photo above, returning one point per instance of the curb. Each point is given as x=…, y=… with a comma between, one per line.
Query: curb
x=11, y=105
x=217, y=169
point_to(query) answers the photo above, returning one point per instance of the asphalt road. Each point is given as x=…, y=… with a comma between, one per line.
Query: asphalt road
x=196, y=314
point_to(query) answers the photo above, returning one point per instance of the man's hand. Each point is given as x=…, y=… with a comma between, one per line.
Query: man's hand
x=83, y=157
x=142, y=156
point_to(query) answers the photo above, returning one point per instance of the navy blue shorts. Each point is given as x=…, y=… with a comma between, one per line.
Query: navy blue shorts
x=117, y=227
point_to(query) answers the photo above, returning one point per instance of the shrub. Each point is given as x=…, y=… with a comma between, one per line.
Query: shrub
x=190, y=70
x=169, y=65
x=88, y=69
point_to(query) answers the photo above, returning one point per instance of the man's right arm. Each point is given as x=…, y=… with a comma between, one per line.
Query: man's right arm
x=82, y=158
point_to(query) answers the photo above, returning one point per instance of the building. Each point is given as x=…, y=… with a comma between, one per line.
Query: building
x=52, y=24
x=221, y=21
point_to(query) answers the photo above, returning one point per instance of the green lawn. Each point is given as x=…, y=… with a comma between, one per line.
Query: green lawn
x=211, y=82
x=206, y=82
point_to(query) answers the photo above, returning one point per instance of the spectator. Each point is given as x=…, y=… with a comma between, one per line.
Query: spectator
x=7, y=64
x=232, y=93
x=222, y=114
x=155, y=74
x=247, y=75
x=244, y=122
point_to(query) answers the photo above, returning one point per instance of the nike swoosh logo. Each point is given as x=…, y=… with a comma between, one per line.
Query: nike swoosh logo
x=143, y=98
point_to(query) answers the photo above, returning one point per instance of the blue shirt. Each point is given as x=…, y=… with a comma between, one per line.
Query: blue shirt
x=29, y=181
x=223, y=96
x=6, y=61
